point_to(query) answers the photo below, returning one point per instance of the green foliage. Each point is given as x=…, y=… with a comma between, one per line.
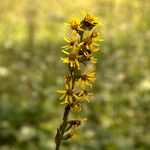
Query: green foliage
x=31, y=37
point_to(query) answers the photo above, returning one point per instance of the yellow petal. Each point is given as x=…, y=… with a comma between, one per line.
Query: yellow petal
x=65, y=60
x=61, y=91
x=87, y=99
x=77, y=63
x=67, y=40
x=65, y=52
x=62, y=97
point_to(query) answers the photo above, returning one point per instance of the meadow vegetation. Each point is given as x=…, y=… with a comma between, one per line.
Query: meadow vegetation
x=31, y=40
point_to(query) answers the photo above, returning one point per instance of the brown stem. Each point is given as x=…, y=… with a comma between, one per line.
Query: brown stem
x=62, y=128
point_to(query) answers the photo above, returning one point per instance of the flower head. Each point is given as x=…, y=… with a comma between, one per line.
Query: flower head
x=72, y=59
x=89, y=21
x=84, y=94
x=75, y=25
x=86, y=79
x=76, y=106
x=68, y=94
x=71, y=43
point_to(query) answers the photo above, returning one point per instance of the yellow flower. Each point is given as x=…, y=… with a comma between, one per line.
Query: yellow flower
x=75, y=25
x=71, y=43
x=94, y=34
x=95, y=37
x=87, y=48
x=75, y=106
x=88, y=57
x=91, y=41
x=86, y=79
x=72, y=59
x=68, y=94
x=91, y=59
x=89, y=21
x=89, y=44
x=85, y=95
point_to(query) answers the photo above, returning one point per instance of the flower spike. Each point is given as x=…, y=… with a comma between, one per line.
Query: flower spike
x=80, y=77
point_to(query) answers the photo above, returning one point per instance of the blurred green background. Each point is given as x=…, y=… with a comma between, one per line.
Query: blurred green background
x=31, y=37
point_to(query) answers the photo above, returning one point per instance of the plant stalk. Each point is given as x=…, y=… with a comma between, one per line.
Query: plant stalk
x=62, y=128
